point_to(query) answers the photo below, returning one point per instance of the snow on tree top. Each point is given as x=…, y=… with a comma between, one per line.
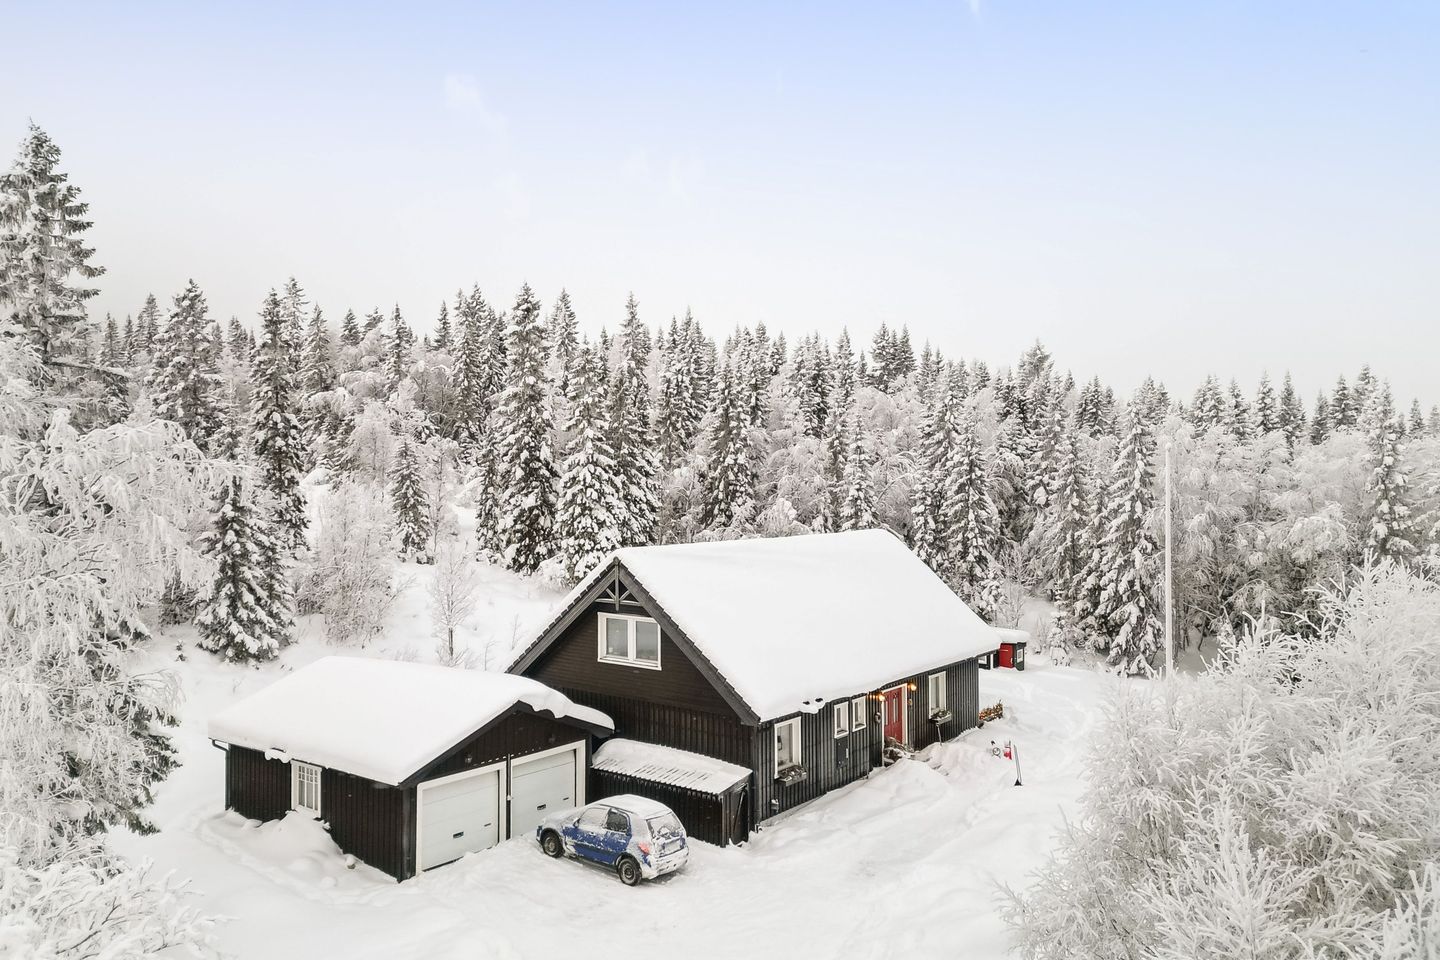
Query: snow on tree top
x=381, y=719
x=679, y=768
x=792, y=623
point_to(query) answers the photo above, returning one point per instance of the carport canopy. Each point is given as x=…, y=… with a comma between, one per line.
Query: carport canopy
x=668, y=765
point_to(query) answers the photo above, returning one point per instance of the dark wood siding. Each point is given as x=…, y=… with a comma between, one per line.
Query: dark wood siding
x=829, y=761
x=255, y=787
x=962, y=699
x=366, y=819
x=832, y=761
x=713, y=734
x=516, y=735
x=573, y=663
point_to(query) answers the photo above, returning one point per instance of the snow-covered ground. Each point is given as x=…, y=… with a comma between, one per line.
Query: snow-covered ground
x=906, y=863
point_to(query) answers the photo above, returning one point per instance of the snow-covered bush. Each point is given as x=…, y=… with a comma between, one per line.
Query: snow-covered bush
x=1281, y=805
x=85, y=904
x=351, y=579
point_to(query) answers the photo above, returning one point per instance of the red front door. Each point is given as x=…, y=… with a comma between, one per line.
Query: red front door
x=1007, y=655
x=895, y=714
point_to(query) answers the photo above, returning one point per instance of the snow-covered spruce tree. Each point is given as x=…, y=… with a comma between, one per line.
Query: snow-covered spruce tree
x=930, y=517
x=1265, y=415
x=525, y=470
x=184, y=383
x=412, y=511
x=444, y=338
x=350, y=330
x=1279, y=805
x=590, y=510
x=42, y=250
x=1291, y=415
x=681, y=404
x=1065, y=526
x=1391, y=534
x=399, y=344
x=729, y=476
x=240, y=619
x=1126, y=608
x=971, y=518
x=1344, y=414
x=637, y=468
x=279, y=440
x=1320, y=421
x=1208, y=409
x=564, y=339
x=857, y=511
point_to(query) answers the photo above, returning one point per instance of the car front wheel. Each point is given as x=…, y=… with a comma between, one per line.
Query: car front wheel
x=551, y=844
x=629, y=871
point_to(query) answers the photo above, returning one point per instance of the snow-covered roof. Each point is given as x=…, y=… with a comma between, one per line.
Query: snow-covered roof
x=381, y=719
x=678, y=768
x=1011, y=635
x=791, y=623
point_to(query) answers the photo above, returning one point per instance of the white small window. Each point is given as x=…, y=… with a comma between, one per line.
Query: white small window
x=842, y=718
x=935, y=692
x=305, y=787
x=858, y=708
x=787, y=745
x=630, y=640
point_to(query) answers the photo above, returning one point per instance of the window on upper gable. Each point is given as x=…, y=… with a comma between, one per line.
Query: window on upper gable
x=630, y=640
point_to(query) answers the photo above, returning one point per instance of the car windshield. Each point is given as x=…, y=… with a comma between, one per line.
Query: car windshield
x=665, y=825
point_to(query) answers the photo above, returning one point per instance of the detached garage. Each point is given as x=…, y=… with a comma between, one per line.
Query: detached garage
x=409, y=765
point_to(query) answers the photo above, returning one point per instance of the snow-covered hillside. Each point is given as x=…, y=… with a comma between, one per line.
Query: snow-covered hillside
x=905, y=863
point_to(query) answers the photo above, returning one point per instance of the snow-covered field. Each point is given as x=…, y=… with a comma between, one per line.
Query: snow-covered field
x=906, y=863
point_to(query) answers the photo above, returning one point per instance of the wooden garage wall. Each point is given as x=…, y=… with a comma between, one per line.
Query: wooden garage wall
x=367, y=819
x=255, y=787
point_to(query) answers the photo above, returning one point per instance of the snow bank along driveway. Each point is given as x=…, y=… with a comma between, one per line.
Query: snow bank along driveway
x=901, y=865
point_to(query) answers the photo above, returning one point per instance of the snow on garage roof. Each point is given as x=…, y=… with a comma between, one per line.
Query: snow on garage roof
x=791, y=623
x=381, y=719
x=678, y=768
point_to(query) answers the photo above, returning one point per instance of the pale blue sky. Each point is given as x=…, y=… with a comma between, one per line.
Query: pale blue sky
x=1148, y=187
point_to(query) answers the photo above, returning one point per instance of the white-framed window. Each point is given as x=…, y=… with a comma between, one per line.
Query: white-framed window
x=787, y=745
x=842, y=718
x=935, y=692
x=858, y=708
x=305, y=787
x=630, y=640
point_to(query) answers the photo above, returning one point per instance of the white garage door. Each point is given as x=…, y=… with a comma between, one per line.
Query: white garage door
x=539, y=787
x=458, y=815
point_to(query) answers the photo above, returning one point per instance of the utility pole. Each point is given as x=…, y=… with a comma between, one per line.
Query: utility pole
x=1169, y=579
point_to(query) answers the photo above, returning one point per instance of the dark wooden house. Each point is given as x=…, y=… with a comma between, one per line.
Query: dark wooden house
x=408, y=765
x=798, y=659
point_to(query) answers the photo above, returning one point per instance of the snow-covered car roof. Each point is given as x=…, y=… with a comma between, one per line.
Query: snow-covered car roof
x=668, y=765
x=642, y=807
x=382, y=719
x=791, y=623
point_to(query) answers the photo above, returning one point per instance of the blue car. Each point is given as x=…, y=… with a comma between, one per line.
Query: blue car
x=639, y=838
